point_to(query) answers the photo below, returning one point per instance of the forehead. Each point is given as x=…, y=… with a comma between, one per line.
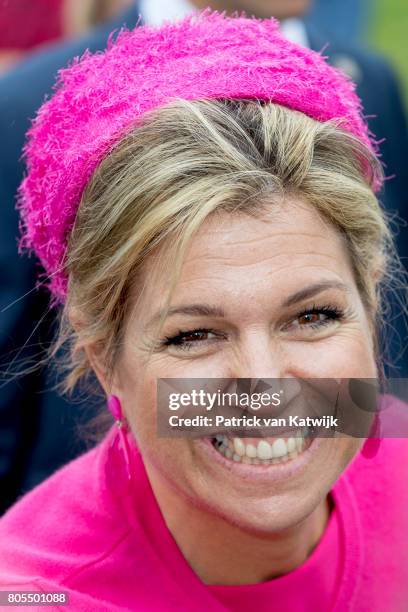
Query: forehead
x=290, y=227
x=232, y=253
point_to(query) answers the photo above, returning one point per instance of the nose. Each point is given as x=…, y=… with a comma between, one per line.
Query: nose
x=266, y=366
x=258, y=356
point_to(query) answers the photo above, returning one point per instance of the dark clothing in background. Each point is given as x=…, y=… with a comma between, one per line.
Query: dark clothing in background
x=344, y=20
x=37, y=426
x=379, y=90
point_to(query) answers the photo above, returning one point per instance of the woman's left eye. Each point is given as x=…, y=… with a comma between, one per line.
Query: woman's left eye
x=312, y=318
x=316, y=317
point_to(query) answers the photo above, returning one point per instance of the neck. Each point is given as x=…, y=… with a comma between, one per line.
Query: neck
x=222, y=553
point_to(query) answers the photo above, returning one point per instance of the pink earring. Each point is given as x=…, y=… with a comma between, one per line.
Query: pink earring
x=372, y=444
x=115, y=409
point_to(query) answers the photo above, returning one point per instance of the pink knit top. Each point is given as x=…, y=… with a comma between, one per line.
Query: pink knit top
x=89, y=533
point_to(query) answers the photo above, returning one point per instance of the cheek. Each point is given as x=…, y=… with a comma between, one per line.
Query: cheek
x=171, y=457
x=349, y=353
x=139, y=392
x=140, y=398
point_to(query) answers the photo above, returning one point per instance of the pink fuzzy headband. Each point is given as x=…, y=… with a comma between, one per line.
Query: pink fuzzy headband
x=101, y=96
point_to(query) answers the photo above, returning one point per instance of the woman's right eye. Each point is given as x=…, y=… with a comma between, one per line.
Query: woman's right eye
x=187, y=339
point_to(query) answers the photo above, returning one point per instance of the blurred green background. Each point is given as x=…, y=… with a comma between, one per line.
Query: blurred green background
x=388, y=33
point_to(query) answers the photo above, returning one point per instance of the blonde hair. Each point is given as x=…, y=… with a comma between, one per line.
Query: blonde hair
x=187, y=161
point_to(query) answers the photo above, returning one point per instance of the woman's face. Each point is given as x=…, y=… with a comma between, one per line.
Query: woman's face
x=240, y=274
x=281, y=9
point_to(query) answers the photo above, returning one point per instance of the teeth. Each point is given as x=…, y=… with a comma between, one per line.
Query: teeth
x=251, y=451
x=299, y=441
x=239, y=447
x=264, y=450
x=279, y=448
x=291, y=444
x=262, y=453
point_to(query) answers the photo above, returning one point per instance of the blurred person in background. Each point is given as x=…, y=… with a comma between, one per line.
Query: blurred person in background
x=80, y=15
x=36, y=439
x=37, y=426
x=28, y=25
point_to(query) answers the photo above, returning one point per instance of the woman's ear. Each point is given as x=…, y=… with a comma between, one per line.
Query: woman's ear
x=94, y=356
x=99, y=369
x=109, y=381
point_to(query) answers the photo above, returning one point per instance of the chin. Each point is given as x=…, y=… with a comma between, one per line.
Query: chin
x=261, y=497
x=267, y=516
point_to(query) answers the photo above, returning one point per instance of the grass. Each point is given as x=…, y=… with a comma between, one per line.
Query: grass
x=388, y=34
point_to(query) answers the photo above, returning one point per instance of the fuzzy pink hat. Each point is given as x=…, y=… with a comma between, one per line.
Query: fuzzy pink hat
x=101, y=96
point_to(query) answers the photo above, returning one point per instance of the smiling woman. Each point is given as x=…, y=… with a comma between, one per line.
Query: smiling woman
x=196, y=224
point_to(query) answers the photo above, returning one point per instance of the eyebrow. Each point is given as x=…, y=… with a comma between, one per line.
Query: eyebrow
x=192, y=310
x=205, y=310
x=312, y=290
